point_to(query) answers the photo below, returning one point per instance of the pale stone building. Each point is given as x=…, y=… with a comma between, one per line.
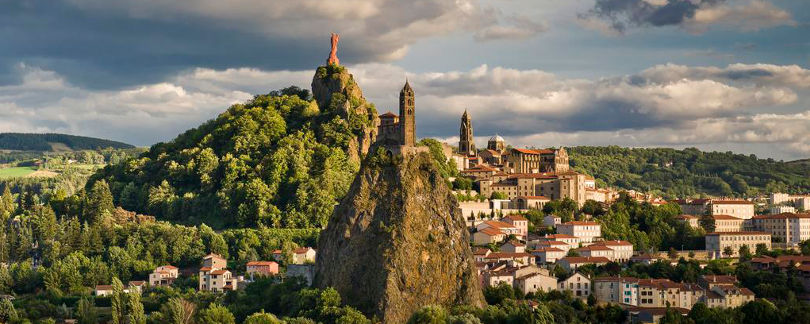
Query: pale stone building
x=586, y=231
x=618, y=290
x=545, y=255
x=596, y=251
x=578, y=283
x=519, y=222
x=488, y=235
x=304, y=255
x=622, y=250
x=727, y=223
x=163, y=276
x=570, y=263
x=261, y=268
x=788, y=228
x=737, y=208
x=213, y=275
x=717, y=242
x=692, y=220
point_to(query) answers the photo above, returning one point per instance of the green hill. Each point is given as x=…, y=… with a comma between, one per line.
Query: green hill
x=279, y=160
x=55, y=142
x=689, y=172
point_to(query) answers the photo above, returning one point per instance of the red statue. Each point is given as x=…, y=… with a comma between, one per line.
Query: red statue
x=333, y=53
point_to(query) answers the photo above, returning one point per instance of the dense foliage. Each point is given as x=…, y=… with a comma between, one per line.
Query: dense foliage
x=43, y=142
x=689, y=172
x=278, y=160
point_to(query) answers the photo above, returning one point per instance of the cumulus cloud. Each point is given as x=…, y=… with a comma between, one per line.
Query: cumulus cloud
x=671, y=105
x=696, y=16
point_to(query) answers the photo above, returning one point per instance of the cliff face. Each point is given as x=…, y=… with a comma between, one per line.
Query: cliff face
x=398, y=241
x=335, y=91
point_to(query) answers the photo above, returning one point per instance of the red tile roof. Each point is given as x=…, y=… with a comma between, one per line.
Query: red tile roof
x=547, y=249
x=725, y=217
x=515, y=217
x=535, y=197
x=204, y=269
x=731, y=202
x=498, y=224
x=388, y=114
x=561, y=236
x=552, y=243
x=685, y=216
x=580, y=223
x=738, y=233
x=594, y=247
x=302, y=250
x=104, y=287
x=783, y=216
x=527, y=151
x=490, y=231
x=261, y=263
x=571, y=259
x=219, y=272
x=613, y=243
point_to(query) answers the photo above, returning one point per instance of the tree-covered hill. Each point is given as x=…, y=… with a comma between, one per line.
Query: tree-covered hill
x=51, y=142
x=279, y=160
x=689, y=172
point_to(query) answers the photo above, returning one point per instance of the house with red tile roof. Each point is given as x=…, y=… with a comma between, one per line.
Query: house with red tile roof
x=261, y=268
x=304, y=255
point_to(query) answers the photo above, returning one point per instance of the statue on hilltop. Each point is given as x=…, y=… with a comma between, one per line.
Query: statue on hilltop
x=333, y=59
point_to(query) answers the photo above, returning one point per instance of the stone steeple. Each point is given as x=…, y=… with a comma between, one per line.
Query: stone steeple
x=466, y=146
x=407, y=122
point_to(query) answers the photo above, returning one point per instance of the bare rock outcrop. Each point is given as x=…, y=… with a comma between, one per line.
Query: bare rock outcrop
x=398, y=241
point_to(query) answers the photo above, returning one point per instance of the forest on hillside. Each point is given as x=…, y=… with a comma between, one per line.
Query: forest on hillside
x=278, y=160
x=43, y=142
x=689, y=172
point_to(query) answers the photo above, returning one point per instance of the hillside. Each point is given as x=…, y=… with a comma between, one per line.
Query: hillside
x=55, y=142
x=279, y=160
x=689, y=172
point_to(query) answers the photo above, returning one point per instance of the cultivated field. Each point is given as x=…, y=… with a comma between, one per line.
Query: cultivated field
x=15, y=172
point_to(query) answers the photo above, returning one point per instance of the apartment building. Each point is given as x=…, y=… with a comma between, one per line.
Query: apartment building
x=622, y=250
x=716, y=242
x=586, y=231
x=788, y=228
x=727, y=223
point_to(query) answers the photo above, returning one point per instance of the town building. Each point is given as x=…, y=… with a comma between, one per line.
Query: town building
x=692, y=220
x=552, y=220
x=595, y=251
x=213, y=275
x=717, y=242
x=737, y=208
x=618, y=290
x=571, y=240
x=578, y=284
x=727, y=223
x=519, y=222
x=622, y=250
x=545, y=255
x=789, y=229
x=586, y=231
x=398, y=133
x=488, y=235
x=163, y=276
x=800, y=202
x=571, y=263
x=513, y=247
x=774, y=210
x=261, y=268
x=303, y=255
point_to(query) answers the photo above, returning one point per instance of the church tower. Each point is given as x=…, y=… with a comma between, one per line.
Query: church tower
x=407, y=123
x=466, y=146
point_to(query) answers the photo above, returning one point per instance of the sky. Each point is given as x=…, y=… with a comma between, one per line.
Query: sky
x=726, y=75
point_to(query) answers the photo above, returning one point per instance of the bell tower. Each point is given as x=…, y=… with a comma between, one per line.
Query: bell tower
x=466, y=146
x=407, y=123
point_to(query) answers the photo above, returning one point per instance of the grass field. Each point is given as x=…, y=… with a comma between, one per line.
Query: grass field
x=15, y=172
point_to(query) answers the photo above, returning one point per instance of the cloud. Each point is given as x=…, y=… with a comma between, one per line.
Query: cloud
x=671, y=105
x=109, y=44
x=696, y=16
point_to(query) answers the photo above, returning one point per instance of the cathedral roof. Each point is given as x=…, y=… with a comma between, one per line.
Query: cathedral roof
x=496, y=138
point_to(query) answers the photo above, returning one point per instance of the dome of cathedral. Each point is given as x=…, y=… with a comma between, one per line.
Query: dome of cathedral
x=496, y=138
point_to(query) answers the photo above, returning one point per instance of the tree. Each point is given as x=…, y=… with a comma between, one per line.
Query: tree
x=497, y=195
x=262, y=318
x=728, y=251
x=118, y=302
x=86, y=312
x=7, y=312
x=673, y=253
x=99, y=202
x=429, y=315
x=745, y=252
x=707, y=222
x=761, y=248
x=136, y=314
x=179, y=311
x=216, y=314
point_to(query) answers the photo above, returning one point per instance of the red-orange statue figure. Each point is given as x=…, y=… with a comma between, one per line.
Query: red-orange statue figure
x=333, y=53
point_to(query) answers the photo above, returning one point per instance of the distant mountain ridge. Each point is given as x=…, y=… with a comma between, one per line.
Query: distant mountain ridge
x=55, y=142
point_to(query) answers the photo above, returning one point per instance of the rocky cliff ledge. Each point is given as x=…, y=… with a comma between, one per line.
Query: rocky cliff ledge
x=398, y=241
x=335, y=91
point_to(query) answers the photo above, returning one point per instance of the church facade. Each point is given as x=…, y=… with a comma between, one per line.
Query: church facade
x=398, y=132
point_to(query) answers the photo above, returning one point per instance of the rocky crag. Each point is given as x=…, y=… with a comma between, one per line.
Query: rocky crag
x=335, y=91
x=398, y=241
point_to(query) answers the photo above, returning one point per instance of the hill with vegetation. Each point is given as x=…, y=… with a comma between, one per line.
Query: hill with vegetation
x=55, y=142
x=283, y=159
x=689, y=172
